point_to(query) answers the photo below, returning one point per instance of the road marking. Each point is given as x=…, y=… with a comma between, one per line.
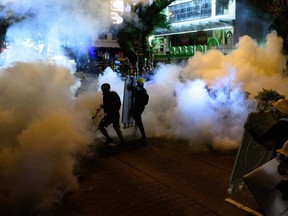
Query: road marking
x=243, y=207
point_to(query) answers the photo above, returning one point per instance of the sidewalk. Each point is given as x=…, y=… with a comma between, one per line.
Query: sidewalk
x=158, y=177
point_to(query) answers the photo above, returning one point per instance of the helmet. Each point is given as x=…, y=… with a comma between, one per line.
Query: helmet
x=141, y=81
x=105, y=87
x=281, y=105
x=284, y=149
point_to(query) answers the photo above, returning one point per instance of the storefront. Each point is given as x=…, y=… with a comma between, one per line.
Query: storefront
x=197, y=25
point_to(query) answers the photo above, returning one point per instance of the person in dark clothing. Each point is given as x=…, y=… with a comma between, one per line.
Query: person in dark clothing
x=278, y=133
x=140, y=100
x=111, y=106
x=282, y=158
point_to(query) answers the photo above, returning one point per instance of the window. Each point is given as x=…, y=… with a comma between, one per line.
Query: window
x=102, y=36
x=192, y=10
x=222, y=7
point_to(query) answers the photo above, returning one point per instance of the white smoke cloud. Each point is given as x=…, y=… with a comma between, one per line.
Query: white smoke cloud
x=48, y=25
x=44, y=126
x=186, y=109
x=42, y=130
x=205, y=101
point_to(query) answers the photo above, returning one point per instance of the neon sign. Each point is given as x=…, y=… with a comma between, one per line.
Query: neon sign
x=213, y=43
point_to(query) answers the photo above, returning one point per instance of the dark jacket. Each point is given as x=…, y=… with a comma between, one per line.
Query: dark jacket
x=111, y=104
x=139, y=98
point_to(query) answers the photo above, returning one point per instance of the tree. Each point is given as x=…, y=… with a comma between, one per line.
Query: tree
x=3, y=29
x=5, y=22
x=137, y=26
x=278, y=11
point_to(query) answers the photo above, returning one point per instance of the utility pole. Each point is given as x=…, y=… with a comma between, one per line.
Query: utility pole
x=139, y=51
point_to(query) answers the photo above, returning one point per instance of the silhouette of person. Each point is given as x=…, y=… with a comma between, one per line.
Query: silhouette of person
x=111, y=106
x=140, y=100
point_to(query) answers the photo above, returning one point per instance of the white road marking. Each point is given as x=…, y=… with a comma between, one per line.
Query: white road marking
x=243, y=207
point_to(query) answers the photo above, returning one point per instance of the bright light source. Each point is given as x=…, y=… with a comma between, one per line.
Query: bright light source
x=117, y=5
x=116, y=18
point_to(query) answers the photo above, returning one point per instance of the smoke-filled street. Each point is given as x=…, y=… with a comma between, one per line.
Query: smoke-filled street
x=51, y=154
x=44, y=127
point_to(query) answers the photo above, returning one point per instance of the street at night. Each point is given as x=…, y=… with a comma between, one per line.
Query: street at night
x=204, y=82
x=158, y=177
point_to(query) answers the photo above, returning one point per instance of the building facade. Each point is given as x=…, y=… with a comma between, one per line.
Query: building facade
x=196, y=25
x=201, y=25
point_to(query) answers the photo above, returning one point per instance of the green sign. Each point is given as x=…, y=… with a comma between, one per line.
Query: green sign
x=192, y=49
x=228, y=34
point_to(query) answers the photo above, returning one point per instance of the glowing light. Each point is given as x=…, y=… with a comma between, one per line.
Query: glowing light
x=116, y=18
x=117, y=5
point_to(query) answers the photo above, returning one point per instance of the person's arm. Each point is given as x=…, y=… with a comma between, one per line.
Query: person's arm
x=97, y=111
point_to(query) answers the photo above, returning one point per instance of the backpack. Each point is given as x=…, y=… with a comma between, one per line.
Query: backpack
x=117, y=100
x=112, y=102
x=145, y=98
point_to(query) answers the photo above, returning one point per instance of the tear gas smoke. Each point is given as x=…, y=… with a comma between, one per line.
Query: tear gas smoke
x=42, y=129
x=44, y=126
x=48, y=26
x=206, y=101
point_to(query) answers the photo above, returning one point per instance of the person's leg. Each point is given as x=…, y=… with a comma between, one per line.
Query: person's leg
x=103, y=123
x=120, y=135
x=105, y=133
x=116, y=127
x=138, y=122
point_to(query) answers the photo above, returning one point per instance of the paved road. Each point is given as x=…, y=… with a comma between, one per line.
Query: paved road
x=159, y=177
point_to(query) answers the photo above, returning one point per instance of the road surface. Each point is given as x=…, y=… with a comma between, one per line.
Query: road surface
x=157, y=177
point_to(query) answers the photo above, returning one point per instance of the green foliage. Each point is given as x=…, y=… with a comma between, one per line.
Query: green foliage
x=138, y=25
x=268, y=95
x=278, y=14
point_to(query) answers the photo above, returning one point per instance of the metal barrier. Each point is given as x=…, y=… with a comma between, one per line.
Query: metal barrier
x=251, y=155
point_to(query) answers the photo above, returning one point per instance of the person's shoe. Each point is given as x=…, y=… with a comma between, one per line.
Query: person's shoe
x=143, y=138
x=108, y=141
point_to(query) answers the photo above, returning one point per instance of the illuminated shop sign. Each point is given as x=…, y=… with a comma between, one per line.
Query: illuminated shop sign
x=213, y=43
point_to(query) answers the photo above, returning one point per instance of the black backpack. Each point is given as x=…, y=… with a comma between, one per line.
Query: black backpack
x=145, y=98
x=141, y=98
